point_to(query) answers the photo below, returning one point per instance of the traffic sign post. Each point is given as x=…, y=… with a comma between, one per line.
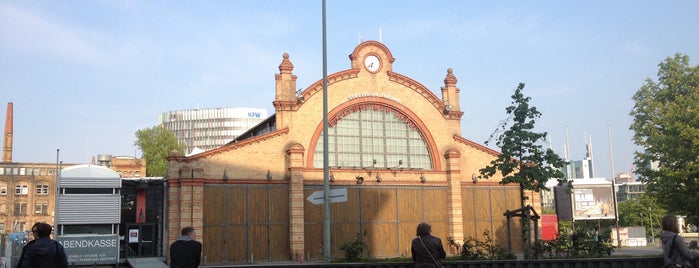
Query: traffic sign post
x=336, y=196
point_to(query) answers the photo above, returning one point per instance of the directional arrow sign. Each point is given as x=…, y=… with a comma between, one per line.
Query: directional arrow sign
x=336, y=195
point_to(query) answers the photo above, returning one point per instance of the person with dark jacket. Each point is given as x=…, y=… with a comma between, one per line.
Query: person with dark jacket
x=185, y=252
x=42, y=251
x=675, y=251
x=426, y=249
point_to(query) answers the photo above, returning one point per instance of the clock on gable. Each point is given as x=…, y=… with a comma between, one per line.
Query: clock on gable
x=372, y=63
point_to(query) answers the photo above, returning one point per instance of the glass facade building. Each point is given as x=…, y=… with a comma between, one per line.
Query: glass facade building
x=208, y=129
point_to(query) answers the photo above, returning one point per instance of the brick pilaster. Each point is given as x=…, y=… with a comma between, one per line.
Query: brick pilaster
x=296, y=201
x=454, y=203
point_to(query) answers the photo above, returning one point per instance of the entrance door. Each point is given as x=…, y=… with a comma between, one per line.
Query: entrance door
x=141, y=239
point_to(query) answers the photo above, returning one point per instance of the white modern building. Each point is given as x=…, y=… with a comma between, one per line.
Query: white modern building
x=206, y=129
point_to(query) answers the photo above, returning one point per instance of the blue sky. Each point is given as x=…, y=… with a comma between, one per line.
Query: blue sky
x=84, y=76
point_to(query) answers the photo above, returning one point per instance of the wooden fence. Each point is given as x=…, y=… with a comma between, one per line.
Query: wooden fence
x=250, y=222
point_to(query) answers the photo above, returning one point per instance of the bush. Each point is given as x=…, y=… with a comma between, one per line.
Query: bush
x=563, y=247
x=474, y=249
x=353, y=250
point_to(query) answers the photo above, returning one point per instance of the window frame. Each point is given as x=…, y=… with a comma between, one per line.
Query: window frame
x=42, y=189
x=21, y=189
x=374, y=136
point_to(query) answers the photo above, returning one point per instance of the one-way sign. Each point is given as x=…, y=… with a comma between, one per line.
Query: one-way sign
x=336, y=195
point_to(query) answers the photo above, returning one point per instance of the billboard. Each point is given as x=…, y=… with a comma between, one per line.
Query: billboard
x=91, y=249
x=590, y=199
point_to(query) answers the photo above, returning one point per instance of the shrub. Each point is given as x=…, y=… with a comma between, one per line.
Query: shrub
x=474, y=249
x=563, y=247
x=353, y=250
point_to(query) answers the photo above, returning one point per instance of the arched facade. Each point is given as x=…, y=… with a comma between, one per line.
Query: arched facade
x=248, y=198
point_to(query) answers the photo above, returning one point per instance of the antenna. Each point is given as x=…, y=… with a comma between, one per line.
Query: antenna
x=589, y=154
x=566, y=146
x=380, y=35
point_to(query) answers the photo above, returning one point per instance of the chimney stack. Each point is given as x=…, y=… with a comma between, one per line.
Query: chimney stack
x=7, y=141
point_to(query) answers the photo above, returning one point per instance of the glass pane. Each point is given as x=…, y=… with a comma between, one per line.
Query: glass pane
x=374, y=133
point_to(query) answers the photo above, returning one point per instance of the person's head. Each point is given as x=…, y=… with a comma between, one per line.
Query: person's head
x=669, y=223
x=423, y=229
x=187, y=231
x=41, y=229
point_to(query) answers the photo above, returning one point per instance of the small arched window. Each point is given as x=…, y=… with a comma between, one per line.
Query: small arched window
x=373, y=136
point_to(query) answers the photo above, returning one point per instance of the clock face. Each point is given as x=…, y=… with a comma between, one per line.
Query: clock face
x=372, y=63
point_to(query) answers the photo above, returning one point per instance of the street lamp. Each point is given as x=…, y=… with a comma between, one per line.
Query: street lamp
x=642, y=219
x=650, y=218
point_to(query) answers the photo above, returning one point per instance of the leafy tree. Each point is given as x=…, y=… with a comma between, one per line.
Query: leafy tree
x=523, y=159
x=642, y=212
x=666, y=126
x=156, y=144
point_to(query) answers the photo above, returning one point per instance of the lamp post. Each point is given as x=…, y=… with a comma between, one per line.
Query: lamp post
x=650, y=219
x=642, y=219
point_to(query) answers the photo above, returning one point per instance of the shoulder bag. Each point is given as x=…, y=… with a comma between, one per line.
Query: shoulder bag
x=672, y=250
x=436, y=263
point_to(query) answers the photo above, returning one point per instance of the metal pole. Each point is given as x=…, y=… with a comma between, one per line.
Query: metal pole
x=616, y=209
x=326, y=183
x=650, y=219
x=58, y=191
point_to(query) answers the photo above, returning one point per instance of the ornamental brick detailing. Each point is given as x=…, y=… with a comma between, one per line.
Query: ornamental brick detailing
x=296, y=201
x=185, y=206
x=285, y=99
x=450, y=97
x=454, y=204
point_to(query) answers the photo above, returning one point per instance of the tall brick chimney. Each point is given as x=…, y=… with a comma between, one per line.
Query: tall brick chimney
x=7, y=141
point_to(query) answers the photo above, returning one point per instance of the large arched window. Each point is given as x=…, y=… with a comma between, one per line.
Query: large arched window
x=373, y=136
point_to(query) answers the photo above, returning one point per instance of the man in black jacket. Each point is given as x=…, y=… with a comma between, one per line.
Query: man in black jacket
x=43, y=251
x=427, y=250
x=185, y=252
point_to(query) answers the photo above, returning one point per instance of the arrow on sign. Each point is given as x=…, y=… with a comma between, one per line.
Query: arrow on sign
x=336, y=195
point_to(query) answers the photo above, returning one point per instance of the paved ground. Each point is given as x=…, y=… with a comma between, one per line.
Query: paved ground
x=146, y=263
x=623, y=251
x=638, y=251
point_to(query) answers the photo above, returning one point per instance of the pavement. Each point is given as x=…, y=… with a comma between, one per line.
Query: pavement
x=654, y=250
x=644, y=251
x=146, y=263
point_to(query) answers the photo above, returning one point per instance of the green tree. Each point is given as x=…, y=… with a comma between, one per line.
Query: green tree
x=644, y=211
x=156, y=144
x=523, y=160
x=666, y=126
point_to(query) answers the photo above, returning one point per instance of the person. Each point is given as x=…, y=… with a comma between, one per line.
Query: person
x=675, y=252
x=185, y=252
x=427, y=250
x=42, y=251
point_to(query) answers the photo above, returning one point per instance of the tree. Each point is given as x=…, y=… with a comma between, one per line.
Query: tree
x=644, y=211
x=156, y=144
x=522, y=159
x=666, y=126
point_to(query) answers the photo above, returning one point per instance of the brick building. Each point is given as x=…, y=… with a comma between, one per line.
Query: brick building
x=28, y=190
x=392, y=143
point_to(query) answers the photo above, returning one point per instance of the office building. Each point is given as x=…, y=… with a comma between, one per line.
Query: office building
x=206, y=129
